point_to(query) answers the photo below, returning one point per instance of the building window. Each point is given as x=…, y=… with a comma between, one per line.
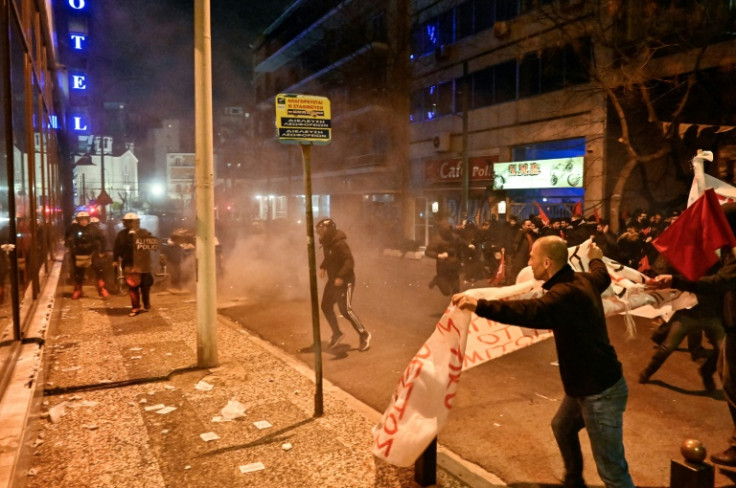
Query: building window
x=482, y=88
x=564, y=148
x=505, y=81
x=553, y=69
x=529, y=79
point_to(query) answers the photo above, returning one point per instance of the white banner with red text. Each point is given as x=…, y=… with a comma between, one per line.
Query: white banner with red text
x=423, y=396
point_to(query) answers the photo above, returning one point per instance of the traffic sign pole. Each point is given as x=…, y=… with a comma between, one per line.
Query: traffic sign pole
x=316, y=339
x=306, y=120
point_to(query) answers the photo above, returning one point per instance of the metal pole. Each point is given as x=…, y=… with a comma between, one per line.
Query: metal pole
x=316, y=339
x=204, y=189
x=466, y=172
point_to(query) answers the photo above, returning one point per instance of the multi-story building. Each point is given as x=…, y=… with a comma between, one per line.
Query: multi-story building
x=549, y=104
x=341, y=50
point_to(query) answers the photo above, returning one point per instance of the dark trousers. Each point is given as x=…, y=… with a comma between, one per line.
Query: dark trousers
x=342, y=296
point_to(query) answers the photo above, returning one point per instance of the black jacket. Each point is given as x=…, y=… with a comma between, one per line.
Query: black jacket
x=573, y=309
x=721, y=286
x=338, y=261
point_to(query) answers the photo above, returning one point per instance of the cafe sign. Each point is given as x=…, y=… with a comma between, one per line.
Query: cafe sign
x=451, y=170
x=543, y=173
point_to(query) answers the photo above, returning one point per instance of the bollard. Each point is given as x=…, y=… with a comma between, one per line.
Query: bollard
x=425, y=468
x=693, y=472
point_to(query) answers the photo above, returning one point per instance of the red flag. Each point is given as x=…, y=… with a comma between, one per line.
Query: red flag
x=690, y=243
x=644, y=265
x=578, y=210
x=501, y=273
x=542, y=215
x=597, y=217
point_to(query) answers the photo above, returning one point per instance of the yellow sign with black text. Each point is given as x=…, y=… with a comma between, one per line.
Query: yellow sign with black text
x=303, y=118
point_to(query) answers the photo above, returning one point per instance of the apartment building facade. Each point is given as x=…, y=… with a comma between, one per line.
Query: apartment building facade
x=535, y=97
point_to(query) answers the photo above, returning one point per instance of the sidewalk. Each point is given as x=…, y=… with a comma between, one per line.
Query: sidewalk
x=122, y=408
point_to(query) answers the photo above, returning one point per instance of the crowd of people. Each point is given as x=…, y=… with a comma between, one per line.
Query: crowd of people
x=498, y=250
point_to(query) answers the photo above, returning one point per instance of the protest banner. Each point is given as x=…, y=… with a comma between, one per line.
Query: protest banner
x=422, y=399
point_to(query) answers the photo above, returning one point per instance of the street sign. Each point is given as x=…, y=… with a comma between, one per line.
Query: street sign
x=303, y=118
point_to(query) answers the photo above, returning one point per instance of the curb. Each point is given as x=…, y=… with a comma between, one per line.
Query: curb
x=462, y=469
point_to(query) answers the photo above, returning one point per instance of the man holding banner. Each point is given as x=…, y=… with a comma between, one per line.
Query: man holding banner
x=595, y=390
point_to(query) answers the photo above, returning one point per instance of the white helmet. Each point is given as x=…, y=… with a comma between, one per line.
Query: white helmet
x=82, y=214
x=131, y=216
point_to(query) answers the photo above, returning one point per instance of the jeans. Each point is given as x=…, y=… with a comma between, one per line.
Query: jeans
x=602, y=417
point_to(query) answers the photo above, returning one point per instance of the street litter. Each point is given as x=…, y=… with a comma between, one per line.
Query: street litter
x=90, y=426
x=166, y=410
x=136, y=357
x=286, y=447
x=262, y=424
x=158, y=406
x=209, y=436
x=142, y=400
x=203, y=386
x=56, y=412
x=233, y=410
x=135, y=349
x=219, y=418
x=249, y=468
x=169, y=387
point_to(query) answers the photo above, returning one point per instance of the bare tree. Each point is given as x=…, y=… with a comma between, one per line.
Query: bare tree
x=648, y=59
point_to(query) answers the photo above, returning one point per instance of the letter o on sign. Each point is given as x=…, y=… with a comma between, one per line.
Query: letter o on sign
x=77, y=4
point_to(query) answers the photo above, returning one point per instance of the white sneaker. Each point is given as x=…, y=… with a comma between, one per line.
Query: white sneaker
x=336, y=339
x=365, y=341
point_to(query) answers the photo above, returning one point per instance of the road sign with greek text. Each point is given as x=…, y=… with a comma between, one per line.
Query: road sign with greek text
x=303, y=118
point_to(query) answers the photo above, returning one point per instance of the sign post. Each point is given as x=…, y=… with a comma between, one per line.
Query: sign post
x=305, y=120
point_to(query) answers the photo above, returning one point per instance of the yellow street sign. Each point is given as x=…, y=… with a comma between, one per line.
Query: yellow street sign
x=303, y=118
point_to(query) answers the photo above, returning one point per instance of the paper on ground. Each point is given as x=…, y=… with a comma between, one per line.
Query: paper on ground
x=249, y=468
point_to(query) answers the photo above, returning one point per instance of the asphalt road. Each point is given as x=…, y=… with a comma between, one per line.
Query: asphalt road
x=501, y=414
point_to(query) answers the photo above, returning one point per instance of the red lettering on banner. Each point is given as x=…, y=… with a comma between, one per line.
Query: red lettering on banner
x=395, y=428
x=448, y=398
x=459, y=356
x=448, y=328
x=474, y=358
x=454, y=378
x=424, y=352
x=524, y=340
x=486, y=338
x=381, y=445
x=474, y=325
x=723, y=198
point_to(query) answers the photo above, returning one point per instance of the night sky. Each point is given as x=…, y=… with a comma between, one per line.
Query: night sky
x=146, y=52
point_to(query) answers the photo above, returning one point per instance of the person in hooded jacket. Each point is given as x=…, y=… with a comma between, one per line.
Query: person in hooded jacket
x=338, y=267
x=447, y=248
x=721, y=284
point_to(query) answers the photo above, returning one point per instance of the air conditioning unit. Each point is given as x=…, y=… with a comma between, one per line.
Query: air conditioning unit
x=441, y=142
x=501, y=29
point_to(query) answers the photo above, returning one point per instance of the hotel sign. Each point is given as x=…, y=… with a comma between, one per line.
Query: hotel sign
x=544, y=173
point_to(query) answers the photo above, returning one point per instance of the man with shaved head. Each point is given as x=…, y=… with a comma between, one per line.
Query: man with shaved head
x=595, y=389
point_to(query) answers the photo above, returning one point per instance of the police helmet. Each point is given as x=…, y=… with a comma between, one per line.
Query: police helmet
x=327, y=225
x=131, y=216
x=82, y=214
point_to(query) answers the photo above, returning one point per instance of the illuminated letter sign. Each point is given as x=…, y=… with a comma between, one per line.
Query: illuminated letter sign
x=77, y=40
x=77, y=4
x=79, y=82
x=78, y=124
